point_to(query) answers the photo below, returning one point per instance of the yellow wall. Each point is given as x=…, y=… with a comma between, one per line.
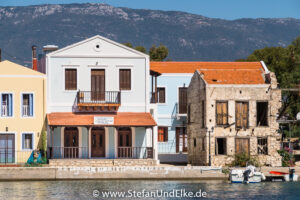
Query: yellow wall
x=18, y=84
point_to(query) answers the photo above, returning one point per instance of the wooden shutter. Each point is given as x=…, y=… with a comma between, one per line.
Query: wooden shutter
x=245, y=115
x=242, y=146
x=183, y=100
x=161, y=95
x=225, y=113
x=219, y=113
x=125, y=79
x=238, y=115
x=70, y=79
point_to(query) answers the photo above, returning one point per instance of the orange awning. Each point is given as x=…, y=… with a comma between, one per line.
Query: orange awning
x=119, y=119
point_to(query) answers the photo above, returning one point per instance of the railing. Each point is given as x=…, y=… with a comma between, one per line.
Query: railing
x=95, y=97
x=68, y=152
x=135, y=152
x=4, y=110
x=26, y=111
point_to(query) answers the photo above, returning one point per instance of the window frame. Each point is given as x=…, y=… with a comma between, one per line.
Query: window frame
x=217, y=102
x=13, y=104
x=32, y=141
x=64, y=78
x=125, y=68
x=33, y=104
x=246, y=102
x=161, y=103
x=166, y=134
x=267, y=144
x=216, y=146
x=267, y=116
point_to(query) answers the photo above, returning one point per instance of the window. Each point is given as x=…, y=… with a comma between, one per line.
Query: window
x=262, y=145
x=222, y=113
x=221, y=146
x=203, y=144
x=262, y=113
x=6, y=105
x=27, y=105
x=125, y=79
x=27, y=141
x=182, y=100
x=70, y=79
x=195, y=142
x=161, y=95
x=203, y=113
x=241, y=114
x=162, y=134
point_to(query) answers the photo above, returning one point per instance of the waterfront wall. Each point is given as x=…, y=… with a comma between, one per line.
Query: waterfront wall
x=133, y=172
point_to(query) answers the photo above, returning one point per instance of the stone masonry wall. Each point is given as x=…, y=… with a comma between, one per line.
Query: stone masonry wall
x=249, y=93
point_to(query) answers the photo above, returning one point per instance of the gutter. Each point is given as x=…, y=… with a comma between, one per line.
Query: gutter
x=265, y=67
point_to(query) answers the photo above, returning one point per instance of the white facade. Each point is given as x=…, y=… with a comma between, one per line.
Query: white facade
x=110, y=56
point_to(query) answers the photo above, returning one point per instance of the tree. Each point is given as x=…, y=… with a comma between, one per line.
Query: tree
x=128, y=44
x=285, y=63
x=141, y=49
x=158, y=53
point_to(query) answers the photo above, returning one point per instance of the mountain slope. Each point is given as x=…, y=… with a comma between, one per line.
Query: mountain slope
x=188, y=36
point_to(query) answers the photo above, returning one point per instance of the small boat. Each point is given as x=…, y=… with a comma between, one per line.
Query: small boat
x=249, y=175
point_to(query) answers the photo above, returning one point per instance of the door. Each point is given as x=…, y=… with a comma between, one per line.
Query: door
x=242, y=146
x=181, y=139
x=97, y=85
x=182, y=100
x=124, y=143
x=7, y=148
x=71, y=149
x=98, y=142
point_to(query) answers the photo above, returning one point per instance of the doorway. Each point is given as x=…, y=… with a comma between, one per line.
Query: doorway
x=181, y=139
x=7, y=148
x=124, y=143
x=98, y=142
x=97, y=85
x=71, y=142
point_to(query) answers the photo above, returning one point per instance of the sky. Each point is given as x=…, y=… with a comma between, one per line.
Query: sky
x=225, y=9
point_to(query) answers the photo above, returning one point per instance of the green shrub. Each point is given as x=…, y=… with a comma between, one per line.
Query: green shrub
x=243, y=159
x=287, y=157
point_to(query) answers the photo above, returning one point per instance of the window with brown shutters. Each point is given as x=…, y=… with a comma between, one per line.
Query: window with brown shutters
x=162, y=134
x=161, y=92
x=125, y=79
x=241, y=114
x=222, y=113
x=182, y=100
x=70, y=79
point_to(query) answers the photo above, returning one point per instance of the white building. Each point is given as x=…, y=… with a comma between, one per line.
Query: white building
x=98, y=101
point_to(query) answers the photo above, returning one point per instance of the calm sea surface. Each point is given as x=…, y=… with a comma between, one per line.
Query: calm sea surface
x=85, y=189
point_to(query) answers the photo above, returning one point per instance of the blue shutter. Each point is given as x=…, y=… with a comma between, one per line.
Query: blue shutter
x=23, y=140
x=10, y=106
x=31, y=105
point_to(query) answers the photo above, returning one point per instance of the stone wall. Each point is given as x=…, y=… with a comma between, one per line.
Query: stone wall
x=252, y=94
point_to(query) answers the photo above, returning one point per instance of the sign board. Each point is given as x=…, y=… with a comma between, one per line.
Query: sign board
x=103, y=120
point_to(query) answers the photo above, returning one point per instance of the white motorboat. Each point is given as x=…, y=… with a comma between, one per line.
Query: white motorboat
x=249, y=175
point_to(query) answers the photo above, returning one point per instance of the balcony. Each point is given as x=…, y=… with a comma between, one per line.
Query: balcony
x=93, y=101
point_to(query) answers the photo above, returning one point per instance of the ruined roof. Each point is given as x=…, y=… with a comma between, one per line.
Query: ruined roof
x=191, y=67
x=120, y=119
x=233, y=76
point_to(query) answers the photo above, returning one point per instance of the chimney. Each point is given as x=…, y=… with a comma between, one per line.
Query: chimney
x=34, y=58
x=49, y=48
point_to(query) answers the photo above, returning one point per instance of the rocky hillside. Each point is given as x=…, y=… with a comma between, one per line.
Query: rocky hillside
x=188, y=36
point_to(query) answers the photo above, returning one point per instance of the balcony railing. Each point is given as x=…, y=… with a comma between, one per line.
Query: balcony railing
x=135, y=152
x=26, y=110
x=98, y=97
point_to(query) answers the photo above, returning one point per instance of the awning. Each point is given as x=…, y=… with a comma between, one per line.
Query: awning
x=119, y=119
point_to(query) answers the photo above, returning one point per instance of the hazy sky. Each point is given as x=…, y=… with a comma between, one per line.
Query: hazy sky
x=227, y=9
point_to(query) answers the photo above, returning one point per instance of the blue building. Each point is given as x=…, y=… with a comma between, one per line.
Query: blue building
x=169, y=92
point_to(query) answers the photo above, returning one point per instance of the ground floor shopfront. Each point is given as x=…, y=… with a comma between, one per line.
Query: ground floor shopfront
x=69, y=138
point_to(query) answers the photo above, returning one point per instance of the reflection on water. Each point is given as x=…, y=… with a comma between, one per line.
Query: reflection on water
x=84, y=189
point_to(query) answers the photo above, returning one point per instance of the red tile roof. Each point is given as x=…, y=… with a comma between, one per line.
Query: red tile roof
x=233, y=76
x=190, y=67
x=120, y=119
